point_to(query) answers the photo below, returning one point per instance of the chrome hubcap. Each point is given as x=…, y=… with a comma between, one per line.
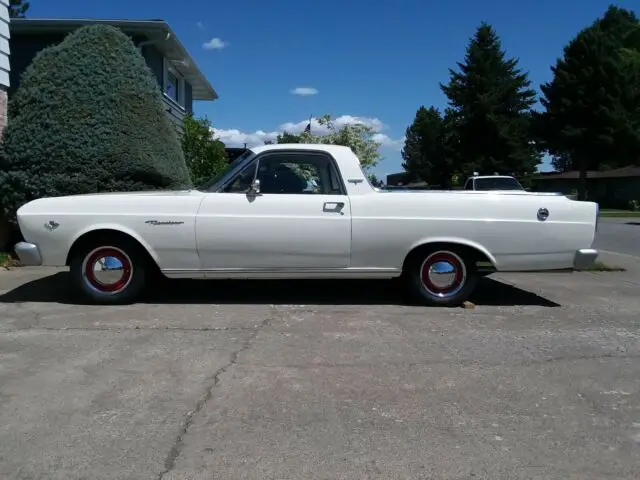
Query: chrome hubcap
x=443, y=274
x=107, y=270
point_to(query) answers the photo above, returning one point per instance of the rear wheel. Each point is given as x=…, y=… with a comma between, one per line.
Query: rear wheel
x=441, y=277
x=109, y=272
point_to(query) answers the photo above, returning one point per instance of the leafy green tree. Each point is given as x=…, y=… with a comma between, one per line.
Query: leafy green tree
x=286, y=137
x=373, y=179
x=88, y=117
x=491, y=109
x=427, y=154
x=357, y=136
x=205, y=155
x=561, y=162
x=591, y=116
x=18, y=8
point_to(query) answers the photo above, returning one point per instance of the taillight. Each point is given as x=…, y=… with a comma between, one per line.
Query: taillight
x=597, y=215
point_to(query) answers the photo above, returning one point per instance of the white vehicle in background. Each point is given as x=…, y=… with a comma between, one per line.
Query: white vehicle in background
x=483, y=183
x=303, y=211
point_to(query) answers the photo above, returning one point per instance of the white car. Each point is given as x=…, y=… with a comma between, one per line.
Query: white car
x=303, y=211
x=492, y=182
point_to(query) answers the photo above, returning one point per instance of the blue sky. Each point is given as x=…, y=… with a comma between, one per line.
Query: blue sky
x=374, y=60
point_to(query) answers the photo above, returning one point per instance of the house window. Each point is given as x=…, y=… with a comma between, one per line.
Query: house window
x=173, y=84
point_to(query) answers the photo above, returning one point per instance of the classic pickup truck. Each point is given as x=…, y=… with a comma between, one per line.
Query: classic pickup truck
x=303, y=211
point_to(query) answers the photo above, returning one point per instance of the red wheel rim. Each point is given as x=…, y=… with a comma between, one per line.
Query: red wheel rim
x=120, y=270
x=443, y=274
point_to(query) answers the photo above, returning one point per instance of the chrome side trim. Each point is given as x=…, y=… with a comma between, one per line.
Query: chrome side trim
x=283, y=273
x=584, y=258
x=28, y=253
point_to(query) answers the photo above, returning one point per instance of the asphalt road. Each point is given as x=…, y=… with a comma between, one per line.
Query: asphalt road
x=621, y=235
x=322, y=380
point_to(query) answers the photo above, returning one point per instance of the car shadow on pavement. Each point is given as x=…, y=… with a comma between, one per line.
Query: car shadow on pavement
x=55, y=288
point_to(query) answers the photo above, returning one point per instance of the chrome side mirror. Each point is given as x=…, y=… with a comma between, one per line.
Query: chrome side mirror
x=254, y=189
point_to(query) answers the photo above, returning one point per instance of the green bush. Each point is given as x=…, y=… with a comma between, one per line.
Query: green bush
x=205, y=155
x=88, y=117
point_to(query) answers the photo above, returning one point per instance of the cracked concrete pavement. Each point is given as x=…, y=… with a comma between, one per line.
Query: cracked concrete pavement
x=322, y=380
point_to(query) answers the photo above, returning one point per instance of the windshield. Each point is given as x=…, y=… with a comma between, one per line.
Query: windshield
x=497, y=183
x=225, y=172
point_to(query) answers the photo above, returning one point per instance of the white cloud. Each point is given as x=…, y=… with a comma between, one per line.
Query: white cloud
x=386, y=141
x=200, y=25
x=338, y=122
x=304, y=91
x=237, y=138
x=215, y=44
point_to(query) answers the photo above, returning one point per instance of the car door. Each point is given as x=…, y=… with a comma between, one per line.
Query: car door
x=300, y=219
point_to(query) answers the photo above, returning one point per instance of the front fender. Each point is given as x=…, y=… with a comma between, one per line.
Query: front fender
x=118, y=228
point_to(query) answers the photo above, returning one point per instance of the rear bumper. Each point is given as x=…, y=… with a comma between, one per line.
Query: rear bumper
x=584, y=258
x=28, y=253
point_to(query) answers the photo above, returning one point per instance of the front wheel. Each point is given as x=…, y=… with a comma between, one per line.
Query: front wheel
x=108, y=273
x=442, y=277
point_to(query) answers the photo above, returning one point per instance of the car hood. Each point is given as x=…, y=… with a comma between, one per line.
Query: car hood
x=145, y=193
x=75, y=203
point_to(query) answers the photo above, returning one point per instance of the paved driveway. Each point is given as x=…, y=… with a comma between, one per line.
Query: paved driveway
x=620, y=235
x=316, y=380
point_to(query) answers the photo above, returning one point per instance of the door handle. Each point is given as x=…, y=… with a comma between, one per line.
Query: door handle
x=334, y=207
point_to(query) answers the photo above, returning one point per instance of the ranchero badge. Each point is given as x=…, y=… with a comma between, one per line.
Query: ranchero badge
x=156, y=222
x=51, y=225
x=543, y=214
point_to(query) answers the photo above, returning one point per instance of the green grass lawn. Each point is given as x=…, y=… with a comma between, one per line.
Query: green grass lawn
x=5, y=259
x=619, y=213
x=602, y=267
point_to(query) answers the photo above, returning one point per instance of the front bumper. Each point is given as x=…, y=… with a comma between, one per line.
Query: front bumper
x=584, y=258
x=28, y=253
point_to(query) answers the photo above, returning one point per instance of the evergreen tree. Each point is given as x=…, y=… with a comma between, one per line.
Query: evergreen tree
x=592, y=104
x=425, y=153
x=491, y=102
x=88, y=117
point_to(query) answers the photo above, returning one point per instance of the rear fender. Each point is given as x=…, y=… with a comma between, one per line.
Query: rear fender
x=455, y=241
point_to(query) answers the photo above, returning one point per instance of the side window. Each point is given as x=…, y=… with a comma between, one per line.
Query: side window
x=469, y=184
x=243, y=180
x=297, y=173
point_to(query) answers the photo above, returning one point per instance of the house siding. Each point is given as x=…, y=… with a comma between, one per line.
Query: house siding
x=188, y=97
x=176, y=114
x=5, y=64
x=155, y=60
x=4, y=43
x=5, y=79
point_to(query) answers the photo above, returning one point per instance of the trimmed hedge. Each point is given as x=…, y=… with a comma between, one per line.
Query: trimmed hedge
x=88, y=117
